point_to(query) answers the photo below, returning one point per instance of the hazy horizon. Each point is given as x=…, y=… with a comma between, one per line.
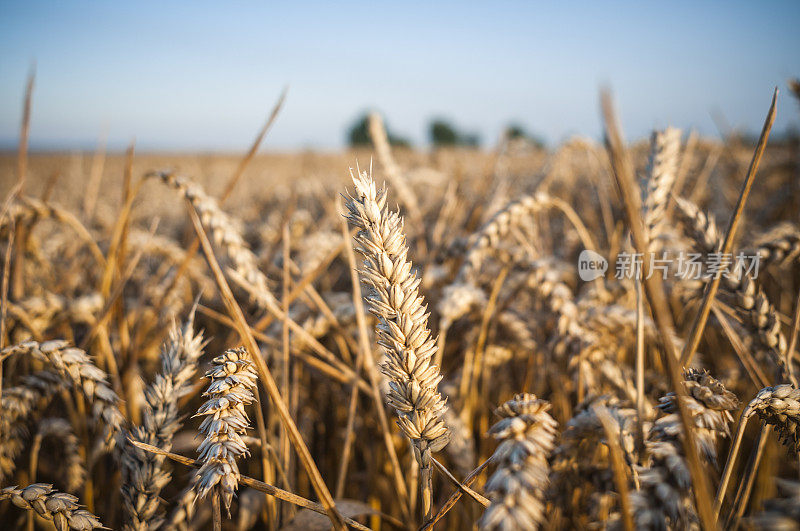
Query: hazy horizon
x=203, y=77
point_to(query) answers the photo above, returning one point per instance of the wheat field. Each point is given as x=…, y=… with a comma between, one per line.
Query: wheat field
x=398, y=339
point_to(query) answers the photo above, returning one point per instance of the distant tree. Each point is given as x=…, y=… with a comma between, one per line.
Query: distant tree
x=514, y=131
x=358, y=134
x=443, y=134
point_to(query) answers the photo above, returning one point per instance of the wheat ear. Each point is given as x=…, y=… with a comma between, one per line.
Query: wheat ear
x=18, y=404
x=61, y=430
x=224, y=232
x=664, y=497
x=526, y=433
x=403, y=324
x=781, y=248
x=661, y=172
x=232, y=378
x=751, y=301
x=75, y=367
x=145, y=472
x=779, y=406
x=61, y=508
x=783, y=512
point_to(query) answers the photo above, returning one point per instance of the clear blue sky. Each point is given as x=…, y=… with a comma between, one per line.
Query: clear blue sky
x=202, y=75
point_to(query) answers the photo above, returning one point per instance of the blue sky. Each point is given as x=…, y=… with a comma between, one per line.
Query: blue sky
x=202, y=75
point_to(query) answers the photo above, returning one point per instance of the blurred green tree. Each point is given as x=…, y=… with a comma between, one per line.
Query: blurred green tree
x=358, y=134
x=515, y=131
x=443, y=133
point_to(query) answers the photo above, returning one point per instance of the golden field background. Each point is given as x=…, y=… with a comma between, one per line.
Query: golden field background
x=502, y=228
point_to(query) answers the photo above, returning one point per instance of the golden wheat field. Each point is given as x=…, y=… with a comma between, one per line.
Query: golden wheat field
x=594, y=336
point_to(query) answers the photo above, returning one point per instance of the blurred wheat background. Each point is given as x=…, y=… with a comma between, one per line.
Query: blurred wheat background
x=395, y=331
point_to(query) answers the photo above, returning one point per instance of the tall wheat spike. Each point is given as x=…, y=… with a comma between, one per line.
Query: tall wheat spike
x=145, y=472
x=402, y=324
x=661, y=173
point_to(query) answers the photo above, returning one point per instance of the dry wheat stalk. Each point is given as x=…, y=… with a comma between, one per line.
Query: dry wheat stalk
x=144, y=472
x=232, y=378
x=527, y=436
x=61, y=508
x=403, y=323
